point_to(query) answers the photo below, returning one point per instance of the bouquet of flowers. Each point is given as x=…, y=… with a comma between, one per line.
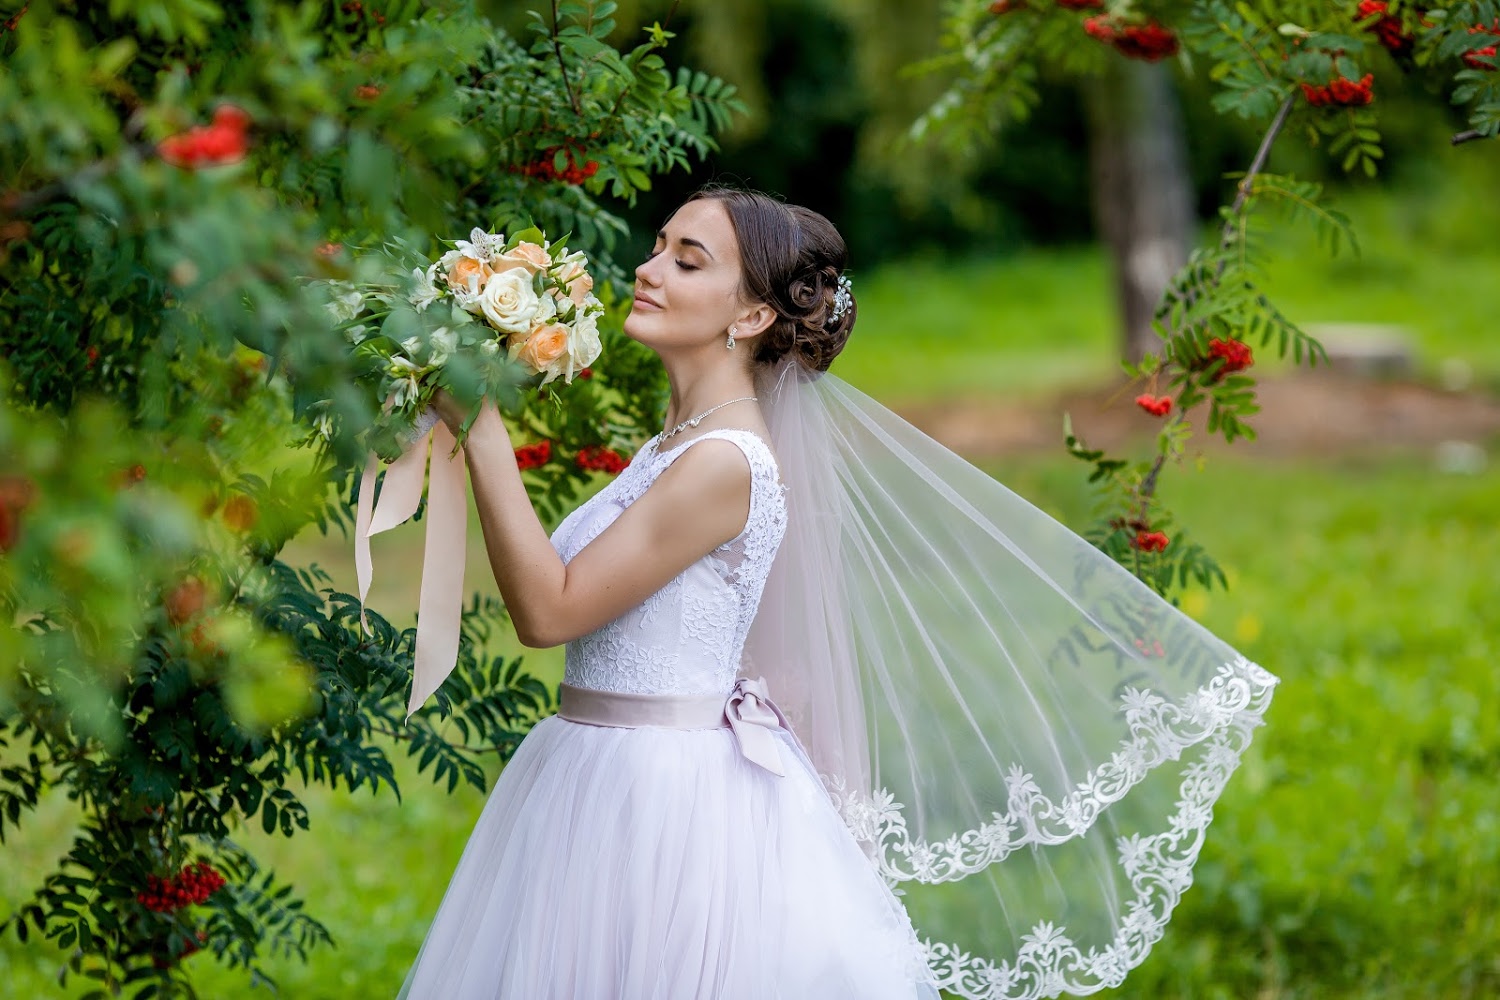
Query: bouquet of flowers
x=467, y=322
x=487, y=316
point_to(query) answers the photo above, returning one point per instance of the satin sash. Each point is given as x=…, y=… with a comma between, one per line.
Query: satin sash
x=748, y=711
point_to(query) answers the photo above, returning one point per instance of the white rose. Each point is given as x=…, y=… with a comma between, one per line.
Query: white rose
x=584, y=345
x=509, y=302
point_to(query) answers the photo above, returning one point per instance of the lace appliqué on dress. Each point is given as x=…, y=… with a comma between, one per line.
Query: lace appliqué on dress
x=687, y=637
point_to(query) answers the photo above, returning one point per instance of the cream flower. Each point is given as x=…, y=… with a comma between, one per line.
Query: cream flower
x=347, y=301
x=406, y=388
x=424, y=290
x=584, y=345
x=443, y=342
x=509, y=302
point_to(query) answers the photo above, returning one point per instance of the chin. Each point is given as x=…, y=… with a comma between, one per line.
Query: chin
x=643, y=328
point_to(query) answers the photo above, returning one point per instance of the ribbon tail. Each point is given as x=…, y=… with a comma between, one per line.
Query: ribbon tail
x=364, y=569
x=758, y=745
x=440, y=608
x=402, y=491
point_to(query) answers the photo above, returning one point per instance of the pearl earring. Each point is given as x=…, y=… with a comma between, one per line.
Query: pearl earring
x=730, y=343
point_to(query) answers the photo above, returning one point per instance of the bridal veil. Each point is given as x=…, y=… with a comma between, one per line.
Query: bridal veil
x=1026, y=740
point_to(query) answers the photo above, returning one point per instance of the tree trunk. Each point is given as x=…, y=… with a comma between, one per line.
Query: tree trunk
x=1142, y=192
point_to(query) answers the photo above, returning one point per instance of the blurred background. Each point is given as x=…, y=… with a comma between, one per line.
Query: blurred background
x=1357, y=854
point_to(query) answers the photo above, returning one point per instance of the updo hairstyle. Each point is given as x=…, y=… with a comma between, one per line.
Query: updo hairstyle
x=791, y=258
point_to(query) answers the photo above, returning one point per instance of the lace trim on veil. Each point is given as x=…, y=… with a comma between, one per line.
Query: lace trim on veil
x=1219, y=716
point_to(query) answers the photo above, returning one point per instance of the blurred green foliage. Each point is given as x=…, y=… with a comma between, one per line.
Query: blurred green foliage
x=162, y=345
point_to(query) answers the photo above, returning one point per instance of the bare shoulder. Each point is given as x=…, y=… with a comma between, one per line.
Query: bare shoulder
x=715, y=468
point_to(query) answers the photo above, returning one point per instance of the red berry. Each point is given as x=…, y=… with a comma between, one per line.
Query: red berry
x=1157, y=406
x=1150, y=541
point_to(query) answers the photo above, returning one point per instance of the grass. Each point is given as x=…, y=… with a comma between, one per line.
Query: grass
x=1353, y=856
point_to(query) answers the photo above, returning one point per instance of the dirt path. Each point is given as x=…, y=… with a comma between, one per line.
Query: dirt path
x=1301, y=415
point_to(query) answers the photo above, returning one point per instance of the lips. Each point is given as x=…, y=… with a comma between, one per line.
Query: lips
x=642, y=298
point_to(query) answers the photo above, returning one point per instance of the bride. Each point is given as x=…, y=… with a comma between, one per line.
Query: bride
x=812, y=656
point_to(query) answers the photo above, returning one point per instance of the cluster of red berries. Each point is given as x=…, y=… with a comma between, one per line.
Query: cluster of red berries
x=185, y=600
x=532, y=456
x=1387, y=29
x=585, y=373
x=1150, y=41
x=1341, y=92
x=577, y=171
x=367, y=92
x=16, y=494
x=355, y=7
x=1150, y=541
x=193, y=885
x=1483, y=58
x=123, y=479
x=1157, y=406
x=329, y=249
x=1153, y=648
x=602, y=459
x=225, y=141
x=1235, y=354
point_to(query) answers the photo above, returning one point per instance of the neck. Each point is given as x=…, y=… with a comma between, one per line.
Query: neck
x=698, y=382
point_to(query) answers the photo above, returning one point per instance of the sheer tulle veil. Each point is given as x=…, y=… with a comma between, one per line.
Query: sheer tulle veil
x=1027, y=740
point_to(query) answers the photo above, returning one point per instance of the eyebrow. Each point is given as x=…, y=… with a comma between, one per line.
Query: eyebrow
x=661, y=234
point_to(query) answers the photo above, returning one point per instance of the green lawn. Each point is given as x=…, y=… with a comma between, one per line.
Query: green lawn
x=1355, y=855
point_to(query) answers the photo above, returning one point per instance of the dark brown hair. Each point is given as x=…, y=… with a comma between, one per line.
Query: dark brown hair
x=791, y=258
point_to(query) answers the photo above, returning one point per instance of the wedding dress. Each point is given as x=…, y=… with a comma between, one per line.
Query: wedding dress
x=661, y=863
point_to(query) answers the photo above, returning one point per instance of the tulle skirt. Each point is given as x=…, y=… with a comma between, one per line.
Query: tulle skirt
x=660, y=864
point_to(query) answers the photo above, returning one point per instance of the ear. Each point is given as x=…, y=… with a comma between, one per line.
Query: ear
x=753, y=321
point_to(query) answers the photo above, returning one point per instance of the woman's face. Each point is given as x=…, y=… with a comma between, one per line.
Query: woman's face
x=687, y=291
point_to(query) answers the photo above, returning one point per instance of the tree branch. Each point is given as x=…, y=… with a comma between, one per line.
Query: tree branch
x=1258, y=164
x=563, y=66
x=1459, y=138
x=1242, y=195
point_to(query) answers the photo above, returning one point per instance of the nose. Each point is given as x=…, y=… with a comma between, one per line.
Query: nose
x=645, y=271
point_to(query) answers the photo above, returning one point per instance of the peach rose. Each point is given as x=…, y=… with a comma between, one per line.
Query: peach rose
x=468, y=273
x=528, y=255
x=544, y=347
x=578, y=282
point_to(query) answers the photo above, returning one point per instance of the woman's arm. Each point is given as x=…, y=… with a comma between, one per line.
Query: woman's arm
x=701, y=501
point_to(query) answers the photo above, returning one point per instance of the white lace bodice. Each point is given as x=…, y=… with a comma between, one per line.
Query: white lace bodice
x=687, y=637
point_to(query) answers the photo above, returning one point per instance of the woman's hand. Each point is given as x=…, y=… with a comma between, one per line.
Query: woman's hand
x=454, y=413
x=450, y=410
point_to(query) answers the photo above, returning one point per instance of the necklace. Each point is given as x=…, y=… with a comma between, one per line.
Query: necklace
x=693, y=421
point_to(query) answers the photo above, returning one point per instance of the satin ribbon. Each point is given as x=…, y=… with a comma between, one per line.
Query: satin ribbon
x=440, y=606
x=748, y=712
